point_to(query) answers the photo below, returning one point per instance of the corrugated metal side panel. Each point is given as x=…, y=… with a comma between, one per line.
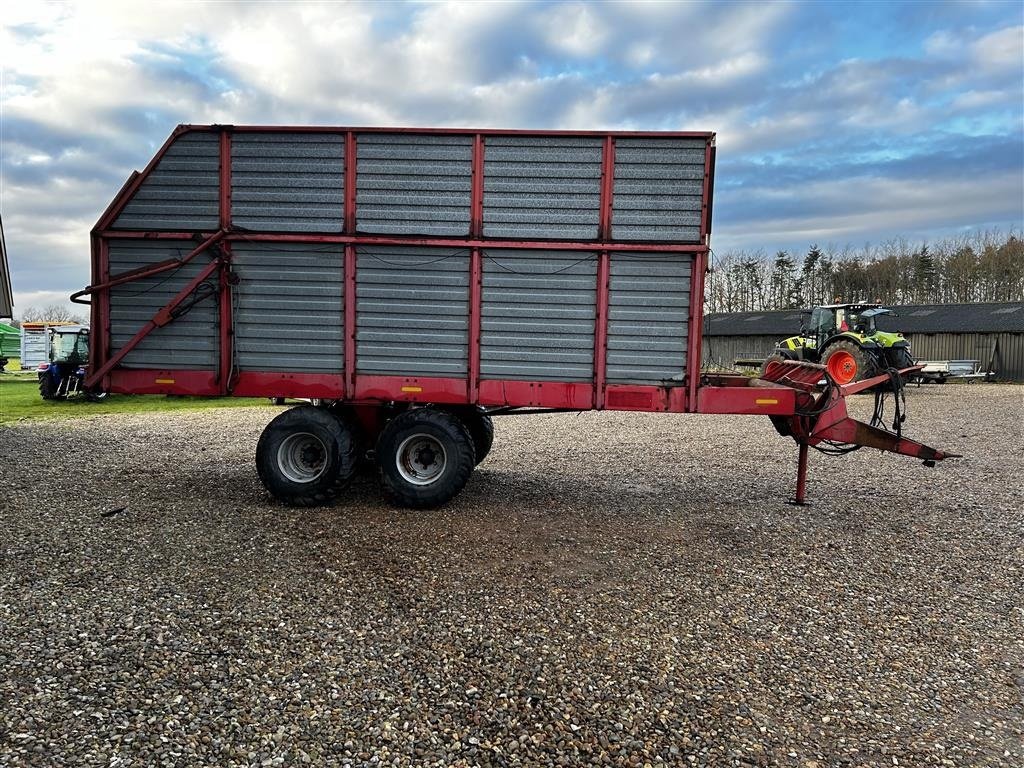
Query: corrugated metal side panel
x=289, y=310
x=182, y=192
x=1009, y=358
x=190, y=341
x=658, y=189
x=288, y=182
x=34, y=349
x=412, y=310
x=537, y=314
x=413, y=184
x=10, y=343
x=542, y=187
x=648, y=309
x=721, y=352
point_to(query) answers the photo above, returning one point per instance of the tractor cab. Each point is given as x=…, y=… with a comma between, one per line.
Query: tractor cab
x=830, y=320
x=69, y=344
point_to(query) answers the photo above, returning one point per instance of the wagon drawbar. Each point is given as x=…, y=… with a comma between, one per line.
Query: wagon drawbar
x=419, y=282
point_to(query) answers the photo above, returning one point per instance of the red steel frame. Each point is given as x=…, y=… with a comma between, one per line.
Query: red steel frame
x=225, y=367
x=361, y=388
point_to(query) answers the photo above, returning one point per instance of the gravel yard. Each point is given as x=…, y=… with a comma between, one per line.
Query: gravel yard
x=610, y=589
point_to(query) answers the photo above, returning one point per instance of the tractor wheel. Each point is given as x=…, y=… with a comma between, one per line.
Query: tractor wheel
x=847, y=362
x=306, y=456
x=47, y=390
x=426, y=456
x=901, y=357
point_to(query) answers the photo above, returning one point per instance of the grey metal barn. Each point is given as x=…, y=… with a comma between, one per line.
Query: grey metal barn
x=992, y=333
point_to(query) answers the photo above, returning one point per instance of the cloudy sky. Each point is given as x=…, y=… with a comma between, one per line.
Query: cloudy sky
x=837, y=122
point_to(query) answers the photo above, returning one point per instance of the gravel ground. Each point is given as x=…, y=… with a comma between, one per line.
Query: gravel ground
x=612, y=589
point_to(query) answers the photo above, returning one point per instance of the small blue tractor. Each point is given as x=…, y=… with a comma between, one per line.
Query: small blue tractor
x=64, y=375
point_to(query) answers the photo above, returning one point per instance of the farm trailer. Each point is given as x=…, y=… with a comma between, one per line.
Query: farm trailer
x=418, y=282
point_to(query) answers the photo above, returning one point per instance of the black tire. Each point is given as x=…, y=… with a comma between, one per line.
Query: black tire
x=365, y=444
x=306, y=456
x=481, y=429
x=899, y=357
x=866, y=363
x=425, y=457
x=47, y=390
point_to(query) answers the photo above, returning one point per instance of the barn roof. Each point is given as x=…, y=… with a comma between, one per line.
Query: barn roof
x=1005, y=317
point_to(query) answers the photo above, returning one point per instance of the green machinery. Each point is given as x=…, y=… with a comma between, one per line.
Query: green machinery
x=843, y=338
x=10, y=344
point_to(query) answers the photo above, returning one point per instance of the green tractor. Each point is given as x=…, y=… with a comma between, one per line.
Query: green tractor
x=843, y=338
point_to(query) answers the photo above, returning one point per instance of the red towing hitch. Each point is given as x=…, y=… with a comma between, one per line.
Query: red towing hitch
x=820, y=418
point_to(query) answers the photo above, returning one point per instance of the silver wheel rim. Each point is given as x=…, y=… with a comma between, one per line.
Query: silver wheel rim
x=421, y=459
x=302, y=457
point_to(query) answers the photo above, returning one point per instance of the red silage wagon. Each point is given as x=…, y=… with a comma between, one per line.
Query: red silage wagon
x=418, y=282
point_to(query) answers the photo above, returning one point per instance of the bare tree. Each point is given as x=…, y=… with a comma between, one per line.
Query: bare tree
x=50, y=313
x=985, y=265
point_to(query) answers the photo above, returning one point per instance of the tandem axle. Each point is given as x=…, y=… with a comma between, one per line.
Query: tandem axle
x=426, y=453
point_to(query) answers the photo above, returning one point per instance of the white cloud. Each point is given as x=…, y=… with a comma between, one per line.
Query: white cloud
x=738, y=133
x=942, y=43
x=829, y=212
x=901, y=116
x=970, y=100
x=576, y=29
x=1001, y=50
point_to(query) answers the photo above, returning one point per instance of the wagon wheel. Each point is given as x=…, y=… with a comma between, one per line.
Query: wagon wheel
x=306, y=456
x=425, y=457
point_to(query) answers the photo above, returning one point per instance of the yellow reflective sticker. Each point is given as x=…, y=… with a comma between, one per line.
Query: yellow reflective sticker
x=165, y=381
x=412, y=389
x=766, y=401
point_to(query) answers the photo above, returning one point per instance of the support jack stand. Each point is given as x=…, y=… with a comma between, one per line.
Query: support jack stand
x=800, y=500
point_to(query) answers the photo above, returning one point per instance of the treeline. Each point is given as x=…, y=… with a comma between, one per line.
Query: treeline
x=52, y=313
x=982, y=266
